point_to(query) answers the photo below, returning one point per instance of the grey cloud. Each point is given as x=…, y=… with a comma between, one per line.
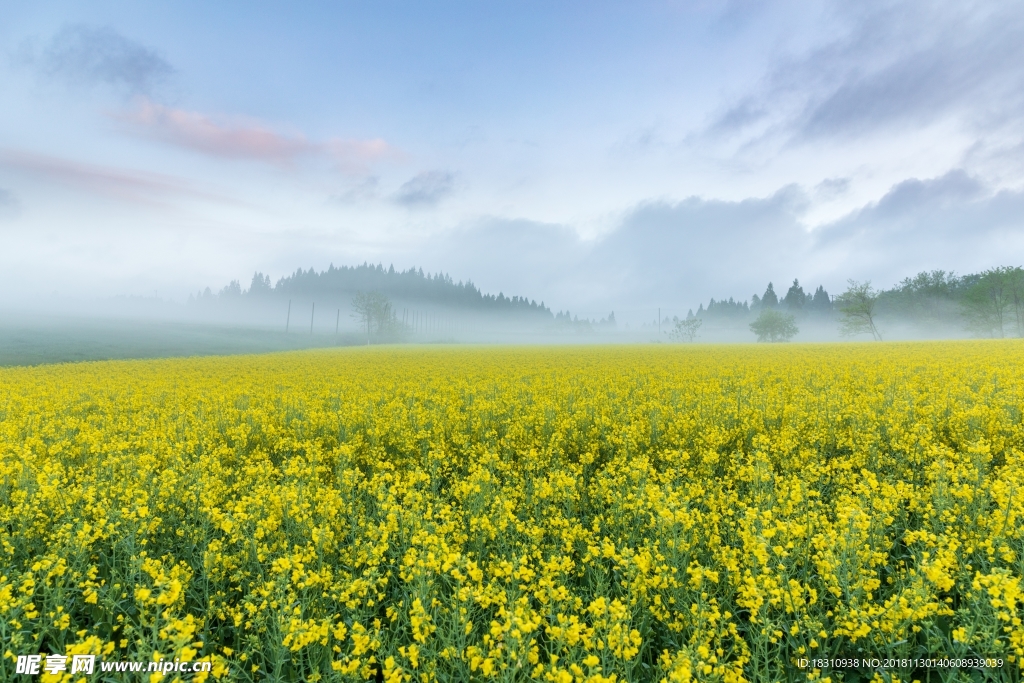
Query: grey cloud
x=660, y=252
x=962, y=69
x=426, y=188
x=662, y=248
x=952, y=222
x=9, y=204
x=81, y=54
x=701, y=248
x=933, y=207
x=643, y=140
x=677, y=254
x=739, y=116
x=736, y=14
x=896, y=65
x=365, y=189
x=831, y=188
x=936, y=194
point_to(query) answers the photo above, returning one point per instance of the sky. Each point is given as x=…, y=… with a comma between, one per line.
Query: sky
x=595, y=155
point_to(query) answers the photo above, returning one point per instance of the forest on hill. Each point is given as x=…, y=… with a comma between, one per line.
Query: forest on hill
x=411, y=286
x=386, y=304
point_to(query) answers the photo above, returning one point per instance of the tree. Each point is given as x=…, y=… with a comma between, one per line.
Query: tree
x=927, y=297
x=234, y=289
x=796, y=297
x=857, y=306
x=820, y=302
x=769, y=300
x=260, y=285
x=685, y=330
x=774, y=326
x=988, y=303
x=1015, y=285
x=373, y=310
x=726, y=309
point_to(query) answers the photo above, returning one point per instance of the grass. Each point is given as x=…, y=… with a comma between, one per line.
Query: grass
x=39, y=341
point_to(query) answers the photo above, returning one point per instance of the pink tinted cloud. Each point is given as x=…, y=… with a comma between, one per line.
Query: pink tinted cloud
x=126, y=185
x=355, y=155
x=247, y=140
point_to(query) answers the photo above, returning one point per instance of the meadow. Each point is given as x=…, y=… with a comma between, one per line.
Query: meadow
x=40, y=339
x=573, y=514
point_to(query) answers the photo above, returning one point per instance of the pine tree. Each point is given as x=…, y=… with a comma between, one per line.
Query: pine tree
x=795, y=297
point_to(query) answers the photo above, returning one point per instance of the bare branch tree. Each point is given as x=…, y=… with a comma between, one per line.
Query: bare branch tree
x=685, y=329
x=857, y=306
x=373, y=310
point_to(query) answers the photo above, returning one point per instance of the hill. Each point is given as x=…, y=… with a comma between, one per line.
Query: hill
x=412, y=287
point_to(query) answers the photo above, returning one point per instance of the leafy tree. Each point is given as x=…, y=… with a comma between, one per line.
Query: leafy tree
x=686, y=329
x=774, y=326
x=857, y=306
x=374, y=311
x=1015, y=284
x=795, y=298
x=928, y=297
x=990, y=303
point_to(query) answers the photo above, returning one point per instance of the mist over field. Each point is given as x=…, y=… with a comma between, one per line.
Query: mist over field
x=655, y=162
x=366, y=305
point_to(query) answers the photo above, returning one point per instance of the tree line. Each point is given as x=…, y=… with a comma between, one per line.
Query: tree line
x=411, y=286
x=987, y=304
x=795, y=301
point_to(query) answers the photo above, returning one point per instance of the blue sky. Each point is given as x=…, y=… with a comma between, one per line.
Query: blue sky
x=594, y=155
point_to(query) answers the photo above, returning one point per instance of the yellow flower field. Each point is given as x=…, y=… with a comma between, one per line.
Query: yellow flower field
x=564, y=514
